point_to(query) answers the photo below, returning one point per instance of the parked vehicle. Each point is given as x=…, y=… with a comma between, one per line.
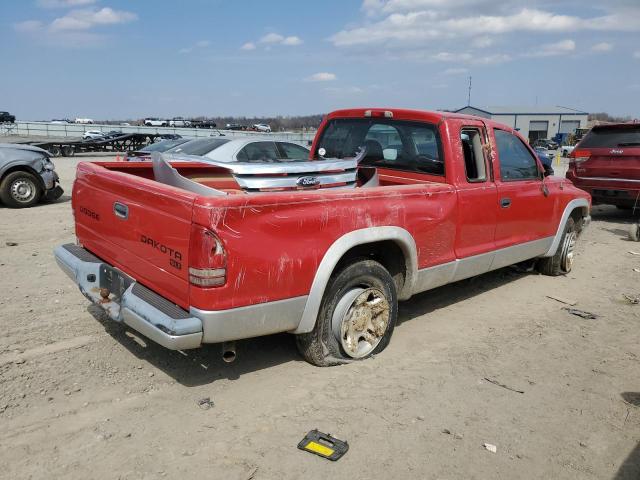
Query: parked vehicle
x=93, y=134
x=179, y=122
x=567, y=149
x=61, y=121
x=454, y=196
x=235, y=126
x=248, y=150
x=203, y=124
x=155, y=122
x=84, y=121
x=545, y=143
x=546, y=158
x=606, y=163
x=27, y=175
x=6, y=117
x=162, y=146
x=262, y=127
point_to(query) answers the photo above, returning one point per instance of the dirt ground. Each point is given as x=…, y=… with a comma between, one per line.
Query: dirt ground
x=81, y=398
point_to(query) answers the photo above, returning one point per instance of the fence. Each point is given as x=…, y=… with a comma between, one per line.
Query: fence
x=49, y=129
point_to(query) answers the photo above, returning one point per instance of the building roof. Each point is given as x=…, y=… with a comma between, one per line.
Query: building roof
x=524, y=110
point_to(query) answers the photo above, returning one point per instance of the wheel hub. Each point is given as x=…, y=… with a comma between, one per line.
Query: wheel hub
x=566, y=260
x=22, y=190
x=360, y=321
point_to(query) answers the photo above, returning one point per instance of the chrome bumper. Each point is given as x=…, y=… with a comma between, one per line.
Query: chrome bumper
x=158, y=319
x=138, y=307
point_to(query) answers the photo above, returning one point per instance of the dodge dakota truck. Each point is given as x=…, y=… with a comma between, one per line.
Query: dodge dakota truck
x=189, y=253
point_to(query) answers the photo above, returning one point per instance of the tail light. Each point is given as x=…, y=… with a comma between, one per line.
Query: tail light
x=207, y=259
x=579, y=156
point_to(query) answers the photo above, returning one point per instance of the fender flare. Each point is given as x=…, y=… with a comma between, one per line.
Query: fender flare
x=342, y=245
x=571, y=206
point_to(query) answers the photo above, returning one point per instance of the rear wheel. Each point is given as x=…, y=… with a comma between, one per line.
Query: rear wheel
x=562, y=262
x=20, y=190
x=356, y=318
x=634, y=232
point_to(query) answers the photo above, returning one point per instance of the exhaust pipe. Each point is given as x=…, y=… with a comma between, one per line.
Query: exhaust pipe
x=229, y=352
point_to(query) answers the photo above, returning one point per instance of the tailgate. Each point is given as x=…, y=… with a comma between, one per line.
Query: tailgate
x=137, y=225
x=613, y=163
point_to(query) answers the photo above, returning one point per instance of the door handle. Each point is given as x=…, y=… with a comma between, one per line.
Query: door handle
x=505, y=202
x=121, y=210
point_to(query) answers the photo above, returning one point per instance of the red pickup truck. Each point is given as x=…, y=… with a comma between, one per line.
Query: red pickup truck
x=186, y=256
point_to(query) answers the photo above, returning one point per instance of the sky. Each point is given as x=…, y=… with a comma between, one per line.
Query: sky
x=117, y=59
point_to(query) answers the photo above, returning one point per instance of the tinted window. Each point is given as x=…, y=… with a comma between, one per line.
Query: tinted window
x=607, y=137
x=198, y=147
x=516, y=161
x=259, y=152
x=402, y=145
x=291, y=151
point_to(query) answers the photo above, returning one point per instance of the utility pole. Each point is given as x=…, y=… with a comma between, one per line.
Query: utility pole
x=469, y=95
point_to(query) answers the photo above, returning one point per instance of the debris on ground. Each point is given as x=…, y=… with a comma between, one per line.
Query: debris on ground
x=495, y=382
x=581, y=313
x=632, y=299
x=633, y=253
x=11, y=244
x=323, y=445
x=205, y=403
x=252, y=473
x=566, y=301
x=490, y=447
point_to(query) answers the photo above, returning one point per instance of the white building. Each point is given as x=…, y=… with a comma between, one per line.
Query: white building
x=533, y=122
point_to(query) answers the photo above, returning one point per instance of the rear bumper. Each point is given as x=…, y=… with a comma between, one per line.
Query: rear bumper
x=160, y=320
x=608, y=191
x=143, y=310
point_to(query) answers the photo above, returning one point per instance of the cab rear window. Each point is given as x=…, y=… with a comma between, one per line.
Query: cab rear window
x=395, y=144
x=608, y=137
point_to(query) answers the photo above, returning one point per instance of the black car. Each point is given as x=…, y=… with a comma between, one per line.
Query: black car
x=235, y=126
x=6, y=117
x=203, y=124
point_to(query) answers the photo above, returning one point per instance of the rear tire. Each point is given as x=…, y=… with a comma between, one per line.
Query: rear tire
x=562, y=262
x=634, y=232
x=356, y=318
x=20, y=190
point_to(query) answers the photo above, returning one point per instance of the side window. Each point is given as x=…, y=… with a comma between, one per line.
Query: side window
x=474, y=164
x=292, y=151
x=516, y=162
x=258, y=152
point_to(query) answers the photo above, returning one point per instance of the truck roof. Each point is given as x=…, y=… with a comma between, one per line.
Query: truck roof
x=430, y=116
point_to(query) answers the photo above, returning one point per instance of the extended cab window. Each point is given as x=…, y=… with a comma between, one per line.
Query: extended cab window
x=474, y=164
x=395, y=144
x=516, y=161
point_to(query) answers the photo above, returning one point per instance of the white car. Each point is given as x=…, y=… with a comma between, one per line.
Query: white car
x=155, y=122
x=93, y=134
x=262, y=127
x=84, y=121
x=566, y=150
x=246, y=150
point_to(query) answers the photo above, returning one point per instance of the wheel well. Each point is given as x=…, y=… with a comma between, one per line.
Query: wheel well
x=578, y=214
x=24, y=168
x=386, y=252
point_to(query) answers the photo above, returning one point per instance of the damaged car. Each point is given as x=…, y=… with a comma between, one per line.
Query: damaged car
x=27, y=175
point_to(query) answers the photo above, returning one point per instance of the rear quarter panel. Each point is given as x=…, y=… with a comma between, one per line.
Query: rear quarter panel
x=274, y=243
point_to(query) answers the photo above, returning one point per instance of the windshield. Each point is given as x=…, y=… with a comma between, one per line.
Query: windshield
x=607, y=137
x=163, y=146
x=199, y=147
x=396, y=144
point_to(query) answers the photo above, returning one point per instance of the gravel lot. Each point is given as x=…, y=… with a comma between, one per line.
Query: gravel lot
x=82, y=398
